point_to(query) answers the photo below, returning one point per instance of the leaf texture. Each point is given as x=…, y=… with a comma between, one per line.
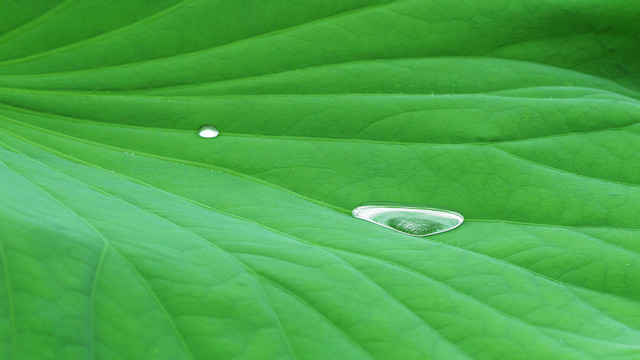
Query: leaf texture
x=123, y=235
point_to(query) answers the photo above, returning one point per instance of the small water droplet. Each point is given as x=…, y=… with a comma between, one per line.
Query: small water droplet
x=208, y=131
x=410, y=220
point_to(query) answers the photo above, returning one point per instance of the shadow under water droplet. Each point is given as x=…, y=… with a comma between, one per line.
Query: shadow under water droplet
x=410, y=220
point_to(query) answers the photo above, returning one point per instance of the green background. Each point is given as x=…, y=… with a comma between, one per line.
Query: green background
x=123, y=235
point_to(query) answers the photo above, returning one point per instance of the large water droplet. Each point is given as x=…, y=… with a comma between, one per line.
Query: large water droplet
x=411, y=220
x=208, y=131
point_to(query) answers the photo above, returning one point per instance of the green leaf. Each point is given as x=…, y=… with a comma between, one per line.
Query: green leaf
x=124, y=235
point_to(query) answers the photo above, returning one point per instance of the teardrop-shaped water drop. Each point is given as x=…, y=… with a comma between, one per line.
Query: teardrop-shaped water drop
x=410, y=220
x=208, y=131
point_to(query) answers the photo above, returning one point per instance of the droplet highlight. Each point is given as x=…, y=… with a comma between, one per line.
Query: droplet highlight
x=410, y=220
x=208, y=131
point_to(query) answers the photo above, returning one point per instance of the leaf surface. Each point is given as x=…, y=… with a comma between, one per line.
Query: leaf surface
x=123, y=235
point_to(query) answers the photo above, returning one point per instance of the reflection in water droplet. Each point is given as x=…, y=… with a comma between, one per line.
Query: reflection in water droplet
x=208, y=131
x=411, y=220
